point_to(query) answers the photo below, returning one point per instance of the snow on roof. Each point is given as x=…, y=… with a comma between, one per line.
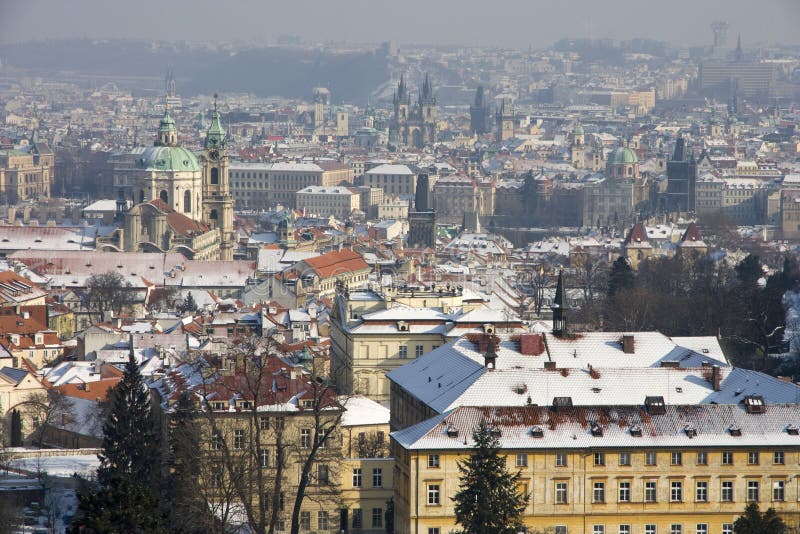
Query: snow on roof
x=360, y=410
x=572, y=428
x=390, y=169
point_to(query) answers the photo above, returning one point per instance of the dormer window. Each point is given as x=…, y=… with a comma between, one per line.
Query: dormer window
x=636, y=431
x=537, y=432
x=735, y=430
x=402, y=326
x=754, y=404
x=596, y=430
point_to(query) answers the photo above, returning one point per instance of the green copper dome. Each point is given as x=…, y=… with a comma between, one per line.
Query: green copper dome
x=167, y=123
x=578, y=129
x=216, y=135
x=168, y=158
x=622, y=156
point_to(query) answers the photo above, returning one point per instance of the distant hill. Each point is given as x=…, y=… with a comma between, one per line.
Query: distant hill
x=288, y=72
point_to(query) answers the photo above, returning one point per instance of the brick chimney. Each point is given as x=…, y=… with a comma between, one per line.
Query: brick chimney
x=716, y=377
x=627, y=344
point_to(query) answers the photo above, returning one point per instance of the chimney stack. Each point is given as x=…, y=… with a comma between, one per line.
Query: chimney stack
x=716, y=377
x=627, y=344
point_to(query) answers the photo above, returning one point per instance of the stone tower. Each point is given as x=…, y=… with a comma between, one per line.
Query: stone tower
x=217, y=199
x=505, y=120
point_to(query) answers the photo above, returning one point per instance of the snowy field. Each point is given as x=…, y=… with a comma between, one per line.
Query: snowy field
x=59, y=466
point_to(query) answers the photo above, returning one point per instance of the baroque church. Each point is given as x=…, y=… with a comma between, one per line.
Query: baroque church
x=413, y=126
x=181, y=202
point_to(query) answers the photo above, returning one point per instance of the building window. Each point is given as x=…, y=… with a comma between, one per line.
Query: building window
x=624, y=458
x=305, y=438
x=727, y=457
x=676, y=458
x=702, y=458
x=675, y=529
x=377, y=517
x=356, y=477
x=561, y=493
x=752, y=458
x=650, y=529
x=357, y=518
x=264, y=423
x=560, y=529
x=322, y=475
x=433, y=494
x=238, y=439
x=752, y=490
x=377, y=477
x=322, y=520
x=650, y=458
x=625, y=492
x=598, y=529
x=403, y=352
x=418, y=351
x=216, y=441
x=305, y=520
x=701, y=491
x=778, y=490
x=650, y=491
x=599, y=458
x=522, y=459
x=624, y=529
x=264, y=457
x=561, y=459
x=599, y=493
x=433, y=530
x=187, y=201
x=727, y=528
x=778, y=458
x=726, y=493
x=676, y=491
x=433, y=460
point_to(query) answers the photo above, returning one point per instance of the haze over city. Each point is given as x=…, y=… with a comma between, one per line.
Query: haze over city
x=505, y=23
x=426, y=267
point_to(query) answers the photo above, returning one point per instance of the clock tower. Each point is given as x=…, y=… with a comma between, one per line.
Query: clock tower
x=217, y=199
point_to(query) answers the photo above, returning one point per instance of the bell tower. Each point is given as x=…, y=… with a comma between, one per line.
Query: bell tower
x=217, y=199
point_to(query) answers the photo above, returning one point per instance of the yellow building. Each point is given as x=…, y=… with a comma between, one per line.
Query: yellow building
x=27, y=172
x=16, y=385
x=604, y=470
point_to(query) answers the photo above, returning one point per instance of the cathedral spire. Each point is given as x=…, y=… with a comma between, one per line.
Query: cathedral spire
x=216, y=135
x=559, y=308
x=167, y=132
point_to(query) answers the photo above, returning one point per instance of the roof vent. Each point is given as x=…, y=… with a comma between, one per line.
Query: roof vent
x=636, y=431
x=451, y=432
x=792, y=430
x=537, y=432
x=596, y=429
x=690, y=431
x=754, y=404
x=655, y=405
x=735, y=430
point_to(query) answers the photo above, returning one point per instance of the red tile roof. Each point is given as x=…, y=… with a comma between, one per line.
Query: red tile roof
x=180, y=223
x=692, y=233
x=337, y=262
x=638, y=234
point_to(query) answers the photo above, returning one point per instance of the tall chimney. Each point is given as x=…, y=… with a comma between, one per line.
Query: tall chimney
x=716, y=377
x=627, y=344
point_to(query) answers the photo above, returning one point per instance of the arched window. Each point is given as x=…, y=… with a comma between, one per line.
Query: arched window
x=141, y=195
x=213, y=215
x=214, y=176
x=187, y=201
x=164, y=197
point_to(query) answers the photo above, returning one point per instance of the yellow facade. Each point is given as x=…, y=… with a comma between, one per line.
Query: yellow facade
x=681, y=487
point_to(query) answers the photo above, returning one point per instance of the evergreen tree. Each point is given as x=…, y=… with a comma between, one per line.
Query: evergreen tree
x=488, y=499
x=752, y=521
x=620, y=277
x=130, y=464
x=748, y=271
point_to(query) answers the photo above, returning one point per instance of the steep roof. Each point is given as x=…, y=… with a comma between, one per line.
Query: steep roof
x=178, y=222
x=637, y=237
x=692, y=237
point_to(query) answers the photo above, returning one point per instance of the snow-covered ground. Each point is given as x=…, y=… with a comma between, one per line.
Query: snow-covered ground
x=59, y=466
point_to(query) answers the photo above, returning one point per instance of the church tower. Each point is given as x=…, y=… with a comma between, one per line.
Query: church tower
x=427, y=104
x=560, y=309
x=217, y=199
x=505, y=120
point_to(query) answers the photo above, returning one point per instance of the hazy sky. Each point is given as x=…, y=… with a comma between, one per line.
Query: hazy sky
x=516, y=23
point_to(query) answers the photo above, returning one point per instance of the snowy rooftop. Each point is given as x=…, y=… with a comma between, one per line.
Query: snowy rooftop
x=360, y=410
x=534, y=427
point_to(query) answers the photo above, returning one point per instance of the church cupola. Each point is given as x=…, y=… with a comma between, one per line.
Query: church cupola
x=167, y=132
x=216, y=135
x=560, y=308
